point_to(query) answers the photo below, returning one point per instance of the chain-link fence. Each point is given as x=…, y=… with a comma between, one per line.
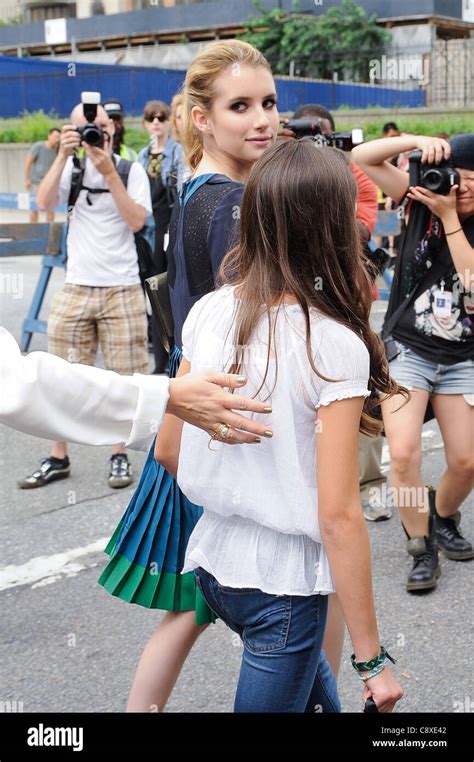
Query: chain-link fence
x=451, y=79
x=444, y=74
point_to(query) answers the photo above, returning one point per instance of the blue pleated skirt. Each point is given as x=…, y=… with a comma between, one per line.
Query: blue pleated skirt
x=148, y=547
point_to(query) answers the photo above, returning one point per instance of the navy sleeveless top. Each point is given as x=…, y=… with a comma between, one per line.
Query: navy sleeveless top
x=204, y=226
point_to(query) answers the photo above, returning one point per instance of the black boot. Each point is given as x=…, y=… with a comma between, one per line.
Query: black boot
x=426, y=569
x=449, y=538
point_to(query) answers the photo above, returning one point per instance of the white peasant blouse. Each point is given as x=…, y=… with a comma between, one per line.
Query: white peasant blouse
x=259, y=526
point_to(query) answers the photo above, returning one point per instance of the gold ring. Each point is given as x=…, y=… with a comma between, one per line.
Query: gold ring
x=222, y=431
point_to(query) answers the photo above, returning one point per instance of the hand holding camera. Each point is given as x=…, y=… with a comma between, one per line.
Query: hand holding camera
x=433, y=150
x=433, y=181
x=430, y=166
x=442, y=205
x=69, y=141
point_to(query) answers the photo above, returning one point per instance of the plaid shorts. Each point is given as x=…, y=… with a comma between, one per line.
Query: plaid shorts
x=81, y=317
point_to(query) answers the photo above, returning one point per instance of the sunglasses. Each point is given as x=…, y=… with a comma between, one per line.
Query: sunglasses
x=151, y=117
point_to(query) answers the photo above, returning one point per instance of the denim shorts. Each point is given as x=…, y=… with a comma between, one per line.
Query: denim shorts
x=283, y=667
x=412, y=371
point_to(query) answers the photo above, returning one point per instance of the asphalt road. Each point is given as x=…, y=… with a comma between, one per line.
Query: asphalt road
x=67, y=646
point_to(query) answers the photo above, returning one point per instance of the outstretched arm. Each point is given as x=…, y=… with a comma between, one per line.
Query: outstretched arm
x=372, y=158
x=48, y=397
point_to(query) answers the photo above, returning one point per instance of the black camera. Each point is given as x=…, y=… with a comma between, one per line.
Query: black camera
x=438, y=178
x=311, y=129
x=90, y=133
x=378, y=259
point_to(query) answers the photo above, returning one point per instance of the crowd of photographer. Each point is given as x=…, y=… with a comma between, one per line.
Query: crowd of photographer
x=178, y=210
x=164, y=163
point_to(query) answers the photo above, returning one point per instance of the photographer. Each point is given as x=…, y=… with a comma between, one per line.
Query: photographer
x=366, y=214
x=102, y=300
x=432, y=351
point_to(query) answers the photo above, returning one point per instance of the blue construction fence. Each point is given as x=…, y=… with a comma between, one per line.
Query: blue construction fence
x=55, y=86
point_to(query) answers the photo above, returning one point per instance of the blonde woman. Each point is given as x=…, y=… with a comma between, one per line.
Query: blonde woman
x=230, y=118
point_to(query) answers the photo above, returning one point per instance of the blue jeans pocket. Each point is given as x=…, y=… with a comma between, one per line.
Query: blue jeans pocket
x=264, y=618
x=269, y=633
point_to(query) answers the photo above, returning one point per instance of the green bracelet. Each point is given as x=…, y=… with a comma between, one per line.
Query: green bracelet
x=367, y=666
x=373, y=673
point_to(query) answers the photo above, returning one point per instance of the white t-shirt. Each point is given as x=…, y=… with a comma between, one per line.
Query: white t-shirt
x=260, y=522
x=101, y=247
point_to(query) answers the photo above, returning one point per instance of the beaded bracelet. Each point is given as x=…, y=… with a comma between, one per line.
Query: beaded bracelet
x=367, y=666
x=373, y=672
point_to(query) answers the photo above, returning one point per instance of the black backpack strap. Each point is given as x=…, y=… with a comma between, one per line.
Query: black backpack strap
x=77, y=175
x=123, y=168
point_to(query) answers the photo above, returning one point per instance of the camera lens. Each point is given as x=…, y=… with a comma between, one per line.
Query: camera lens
x=93, y=135
x=433, y=180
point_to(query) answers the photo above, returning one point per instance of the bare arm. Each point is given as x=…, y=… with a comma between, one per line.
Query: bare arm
x=28, y=165
x=48, y=191
x=372, y=158
x=345, y=535
x=168, y=440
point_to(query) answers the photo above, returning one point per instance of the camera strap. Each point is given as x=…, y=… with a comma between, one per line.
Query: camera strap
x=77, y=176
x=78, y=169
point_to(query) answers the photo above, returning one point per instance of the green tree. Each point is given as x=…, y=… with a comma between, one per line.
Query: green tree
x=342, y=40
x=13, y=21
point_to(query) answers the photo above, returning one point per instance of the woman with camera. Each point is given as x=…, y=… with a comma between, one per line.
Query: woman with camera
x=429, y=337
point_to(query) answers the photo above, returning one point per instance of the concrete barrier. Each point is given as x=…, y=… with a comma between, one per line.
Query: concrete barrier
x=12, y=167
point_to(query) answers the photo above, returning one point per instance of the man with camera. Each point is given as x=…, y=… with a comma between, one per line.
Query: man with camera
x=102, y=300
x=429, y=337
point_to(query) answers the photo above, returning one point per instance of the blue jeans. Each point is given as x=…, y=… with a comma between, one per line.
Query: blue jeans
x=283, y=668
x=413, y=371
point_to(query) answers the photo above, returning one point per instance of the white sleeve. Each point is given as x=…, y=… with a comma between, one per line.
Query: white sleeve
x=339, y=354
x=138, y=186
x=45, y=396
x=65, y=182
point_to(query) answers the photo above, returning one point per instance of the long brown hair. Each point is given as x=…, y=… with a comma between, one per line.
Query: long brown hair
x=298, y=235
x=198, y=87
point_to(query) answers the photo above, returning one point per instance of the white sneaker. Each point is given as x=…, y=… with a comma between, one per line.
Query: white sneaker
x=375, y=511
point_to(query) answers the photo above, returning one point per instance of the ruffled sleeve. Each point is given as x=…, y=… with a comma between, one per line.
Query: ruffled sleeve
x=340, y=355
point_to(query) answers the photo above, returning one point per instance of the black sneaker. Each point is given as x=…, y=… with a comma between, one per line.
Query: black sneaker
x=50, y=470
x=120, y=471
